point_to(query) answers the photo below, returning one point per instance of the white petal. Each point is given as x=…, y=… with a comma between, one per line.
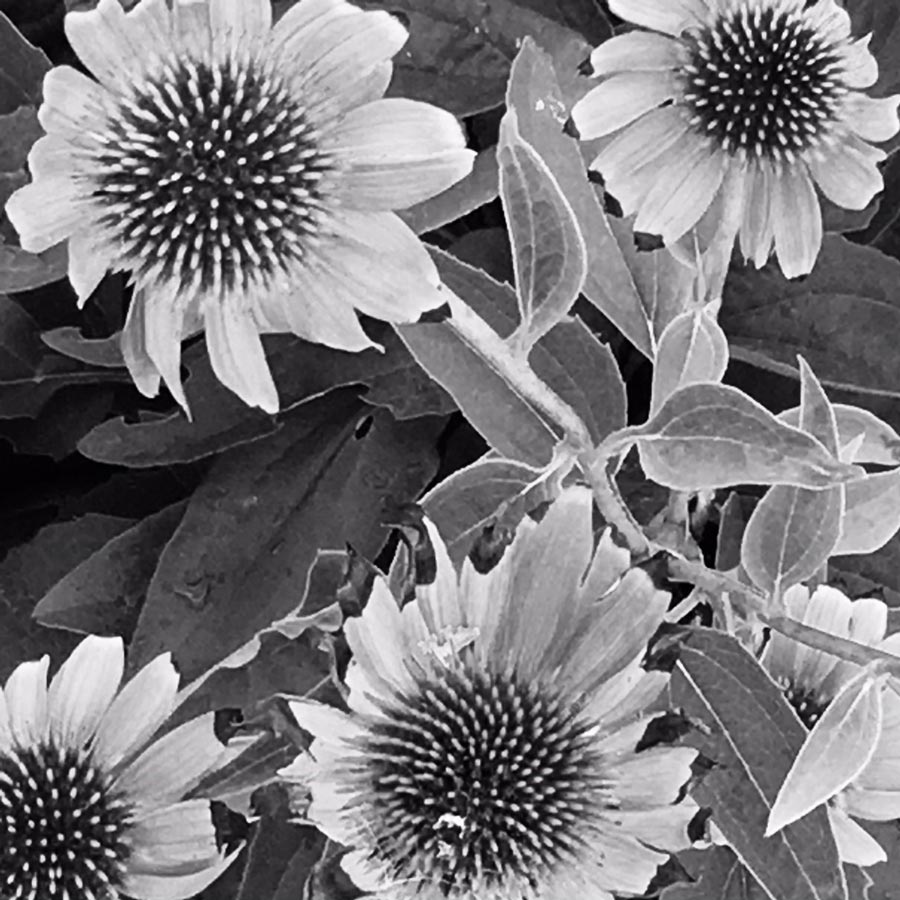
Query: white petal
x=828, y=20
x=73, y=103
x=620, y=100
x=380, y=266
x=440, y=601
x=397, y=152
x=163, y=325
x=757, y=228
x=46, y=212
x=860, y=66
x=675, y=205
x=51, y=156
x=855, y=846
x=668, y=16
x=237, y=355
x=174, y=840
x=26, y=701
x=139, y=710
x=83, y=688
x=622, y=864
x=872, y=119
x=89, y=261
x=142, y=369
x=106, y=41
x=324, y=722
x=664, y=828
x=797, y=223
x=637, y=51
x=652, y=777
x=6, y=735
x=146, y=886
x=848, y=173
x=610, y=562
x=239, y=23
x=871, y=803
x=171, y=766
x=829, y=611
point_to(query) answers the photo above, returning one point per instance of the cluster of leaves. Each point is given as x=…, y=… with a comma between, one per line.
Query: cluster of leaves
x=238, y=541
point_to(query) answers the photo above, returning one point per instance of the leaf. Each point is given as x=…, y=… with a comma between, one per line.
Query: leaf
x=22, y=69
x=29, y=571
x=718, y=875
x=842, y=318
x=489, y=490
x=751, y=736
x=838, y=748
x=103, y=593
x=790, y=535
x=872, y=514
x=549, y=253
x=479, y=187
x=711, y=435
x=104, y=352
x=541, y=110
x=459, y=51
x=20, y=347
x=240, y=556
x=221, y=419
x=692, y=348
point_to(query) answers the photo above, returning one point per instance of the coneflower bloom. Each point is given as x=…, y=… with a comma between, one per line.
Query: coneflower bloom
x=244, y=174
x=742, y=106
x=811, y=679
x=91, y=808
x=493, y=744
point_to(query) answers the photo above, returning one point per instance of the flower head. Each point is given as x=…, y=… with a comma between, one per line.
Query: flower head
x=90, y=807
x=733, y=110
x=245, y=174
x=811, y=679
x=492, y=747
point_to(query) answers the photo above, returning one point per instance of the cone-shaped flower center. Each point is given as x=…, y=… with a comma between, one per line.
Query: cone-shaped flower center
x=480, y=780
x=212, y=174
x=762, y=81
x=63, y=832
x=807, y=705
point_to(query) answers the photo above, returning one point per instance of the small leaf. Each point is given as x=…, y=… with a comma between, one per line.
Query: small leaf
x=751, y=736
x=816, y=414
x=549, y=253
x=838, y=748
x=692, y=348
x=22, y=69
x=790, y=535
x=712, y=435
x=872, y=514
x=104, y=352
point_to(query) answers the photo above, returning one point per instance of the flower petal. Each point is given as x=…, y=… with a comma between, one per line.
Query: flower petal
x=325, y=723
x=653, y=777
x=682, y=194
x=6, y=734
x=72, y=104
x=855, y=846
x=142, y=369
x=637, y=51
x=828, y=19
x=239, y=23
x=757, y=227
x=860, y=66
x=171, y=766
x=137, y=713
x=621, y=863
x=147, y=886
x=665, y=828
x=163, y=323
x=829, y=611
x=237, y=356
x=89, y=261
x=46, y=212
x=797, y=223
x=174, y=840
x=381, y=267
x=26, y=701
x=668, y=16
x=620, y=100
x=848, y=173
x=872, y=119
x=83, y=688
x=397, y=152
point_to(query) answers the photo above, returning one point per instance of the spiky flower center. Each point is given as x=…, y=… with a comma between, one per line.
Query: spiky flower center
x=480, y=781
x=807, y=704
x=762, y=81
x=63, y=831
x=212, y=174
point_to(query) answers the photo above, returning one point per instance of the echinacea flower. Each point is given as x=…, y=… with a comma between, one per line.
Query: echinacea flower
x=91, y=808
x=244, y=174
x=493, y=744
x=737, y=109
x=811, y=679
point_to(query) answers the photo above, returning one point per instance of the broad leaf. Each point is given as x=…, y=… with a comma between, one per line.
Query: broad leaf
x=549, y=253
x=541, y=109
x=751, y=736
x=68, y=340
x=240, y=556
x=838, y=748
x=872, y=514
x=712, y=435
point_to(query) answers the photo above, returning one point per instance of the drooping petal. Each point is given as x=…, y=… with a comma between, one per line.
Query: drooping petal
x=379, y=265
x=149, y=886
x=797, y=222
x=636, y=51
x=652, y=777
x=6, y=734
x=325, y=723
x=397, y=152
x=757, y=227
x=665, y=828
x=873, y=119
x=139, y=710
x=174, y=840
x=855, y=846
x=89, y=261
x=163, y=322
x=46, y=212
x=141, y=367
x=237, y=356
x=172, y=765
x=83, y=688
x=847, y=173
x=26, y=701
x=620, y=862
x=667, y=16
x=620, y=100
